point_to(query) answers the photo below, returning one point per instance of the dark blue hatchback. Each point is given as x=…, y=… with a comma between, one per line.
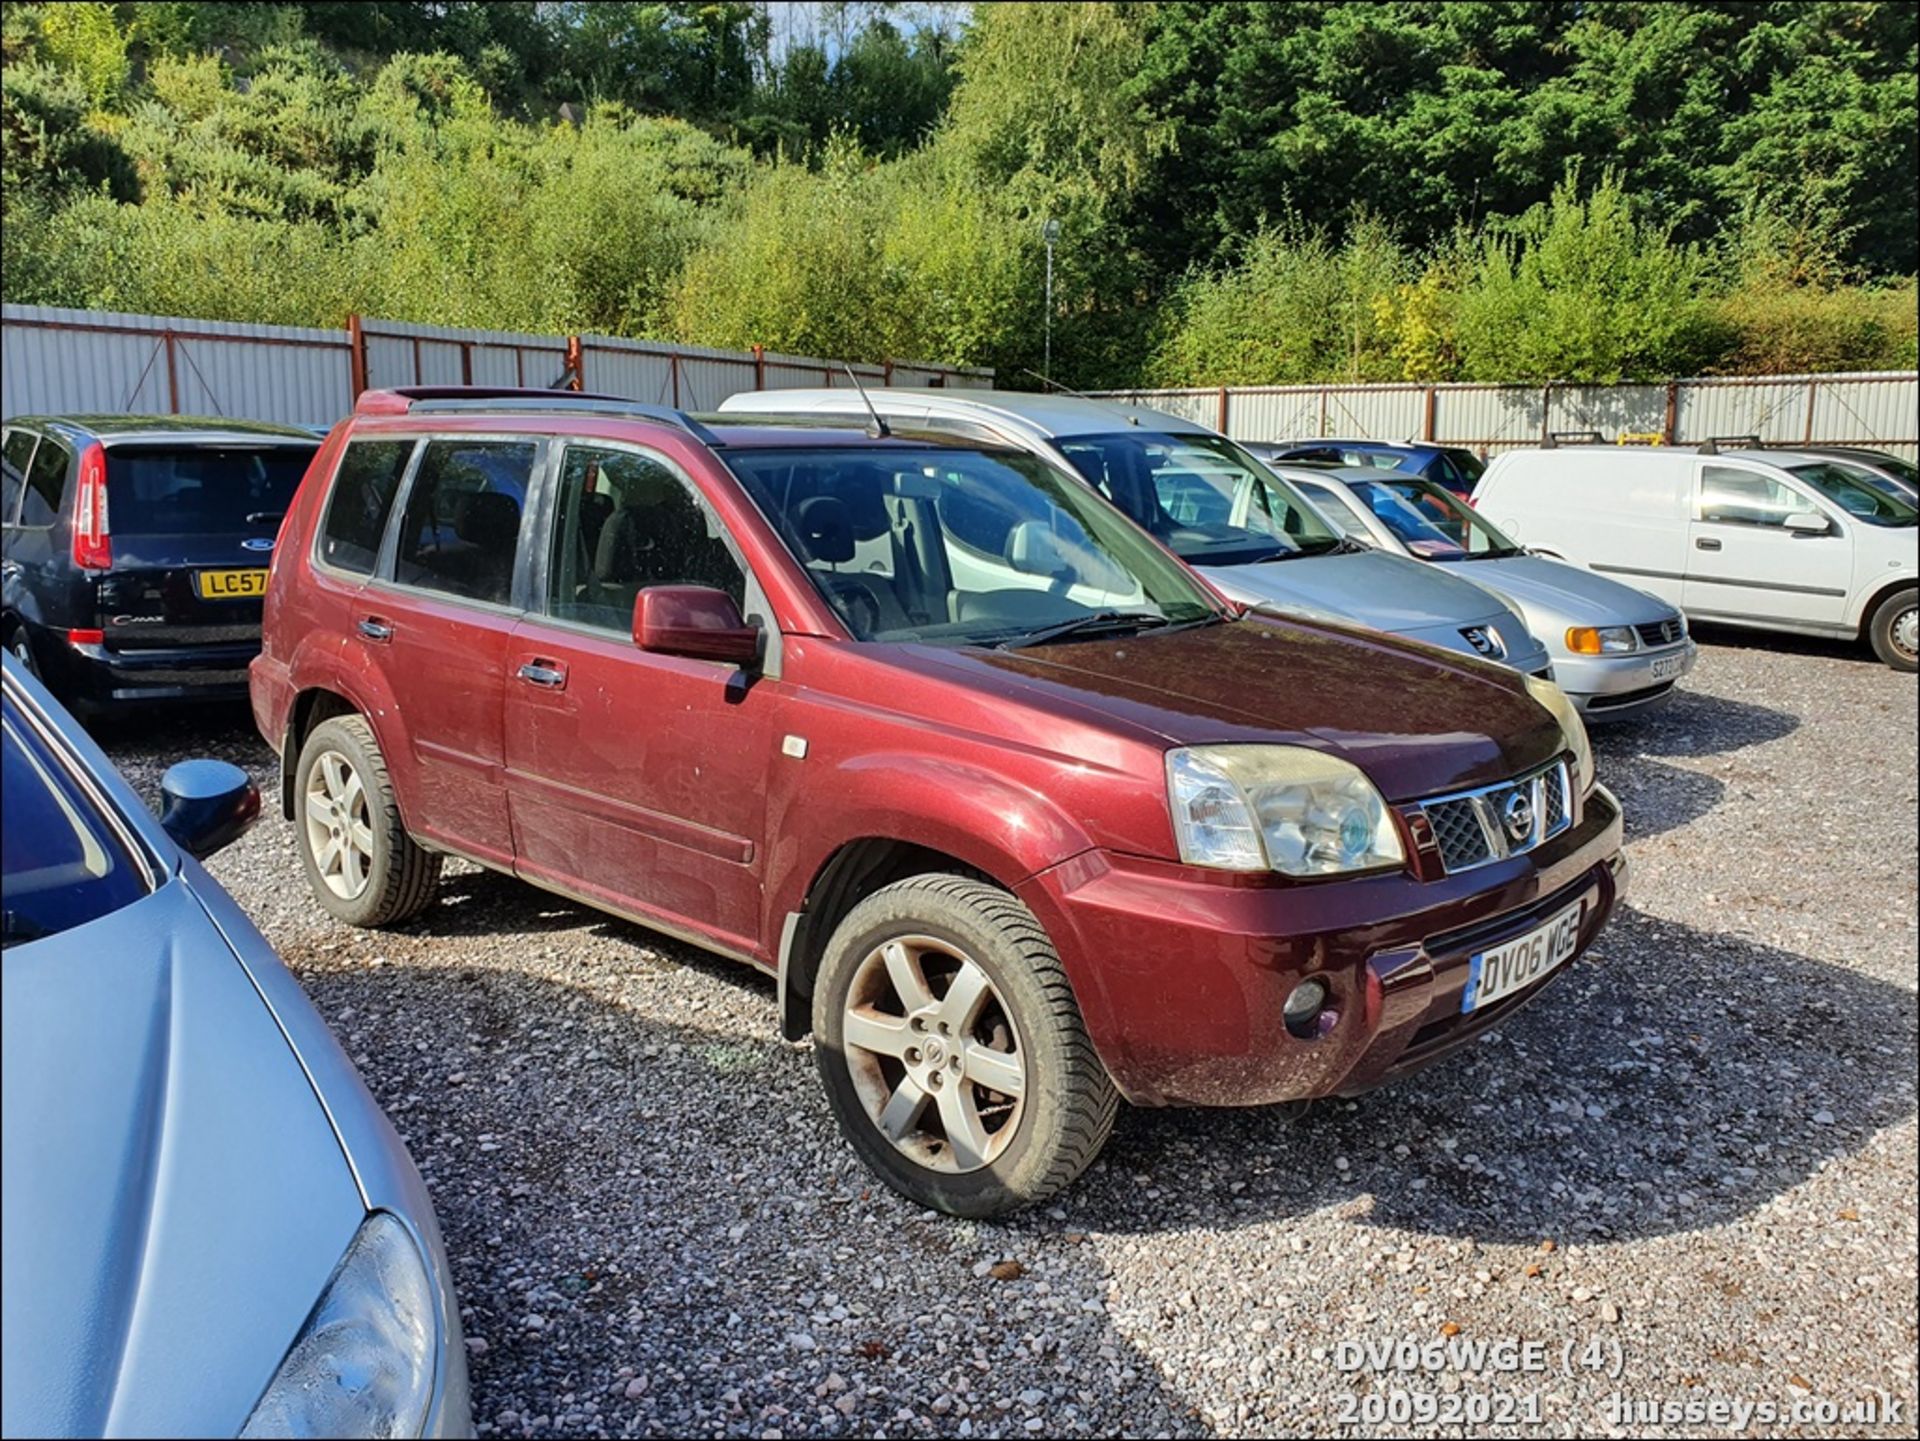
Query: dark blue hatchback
x=1447, y=466
x=136, y=551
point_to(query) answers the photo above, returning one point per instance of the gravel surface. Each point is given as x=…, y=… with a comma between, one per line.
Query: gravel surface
x=1693, y=1160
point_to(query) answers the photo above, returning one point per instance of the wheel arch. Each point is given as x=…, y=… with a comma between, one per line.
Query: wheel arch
x=311, y=707
x=1878, y=597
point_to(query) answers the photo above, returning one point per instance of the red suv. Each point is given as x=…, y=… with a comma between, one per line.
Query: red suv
x=1024, y=819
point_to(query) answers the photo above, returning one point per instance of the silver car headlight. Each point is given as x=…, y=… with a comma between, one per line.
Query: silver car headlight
x=363, y=1363
x=1602, y=640
x=1281, y=808
x=1571, y=726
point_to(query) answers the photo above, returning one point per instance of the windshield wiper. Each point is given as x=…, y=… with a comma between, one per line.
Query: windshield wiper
x=1116, y=621
x=1340, y=545
x=1499, y=552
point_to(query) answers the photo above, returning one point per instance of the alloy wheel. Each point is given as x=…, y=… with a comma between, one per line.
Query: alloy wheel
x=339, y=832
x=934, y=1054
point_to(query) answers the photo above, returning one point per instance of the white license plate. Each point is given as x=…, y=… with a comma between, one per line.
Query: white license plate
x=1668, y=666
x=1519, y=963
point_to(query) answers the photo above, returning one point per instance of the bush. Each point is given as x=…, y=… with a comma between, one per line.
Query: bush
x=1796, y=330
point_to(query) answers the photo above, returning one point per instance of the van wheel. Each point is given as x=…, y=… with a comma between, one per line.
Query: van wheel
x=1895, y=629
x=952, y=1051
x=20, y=644
x=364, y=867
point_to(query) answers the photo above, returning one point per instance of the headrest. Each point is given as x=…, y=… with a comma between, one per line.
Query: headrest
x=487, y=518
x=826, y=529
x=863, y=488
x=1033, y=549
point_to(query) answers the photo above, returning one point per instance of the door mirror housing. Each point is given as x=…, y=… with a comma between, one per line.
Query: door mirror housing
x=696, y=621
x=207, y=805
x=1807, y=522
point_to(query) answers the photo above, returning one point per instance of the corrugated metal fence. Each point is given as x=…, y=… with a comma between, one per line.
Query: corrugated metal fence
x=1879, y=409
x=73, y=362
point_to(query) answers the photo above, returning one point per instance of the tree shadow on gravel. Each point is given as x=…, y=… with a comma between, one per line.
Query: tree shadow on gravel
x=1674, y=1080
x=656, y=1229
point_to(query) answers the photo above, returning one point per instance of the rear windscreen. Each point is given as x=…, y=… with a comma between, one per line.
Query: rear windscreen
x=200, y=489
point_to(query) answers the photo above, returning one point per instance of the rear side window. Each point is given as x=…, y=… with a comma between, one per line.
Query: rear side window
x=363, y=491
x=202, y=490
x=462, y=522
x=60, y=863
x=40, y=506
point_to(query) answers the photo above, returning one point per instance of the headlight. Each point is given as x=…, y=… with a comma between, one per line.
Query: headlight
x=363, y=1363
x=1571, y=726
x=1282, y=808
x=1601, y=640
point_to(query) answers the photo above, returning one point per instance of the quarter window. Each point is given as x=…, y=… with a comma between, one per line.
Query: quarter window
x=363, y=490
x=1732, y=496
x=17, y=455
x=462, y=522
x=625, y=521
x=47, y=477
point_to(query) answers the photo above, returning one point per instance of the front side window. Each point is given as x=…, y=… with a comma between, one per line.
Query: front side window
x=16, y=455
x=1202, y=496
x=624, y=521
x=363, y=490
x=46, y=479
x=462, y=521
x=61, y=865
x=1730, y=495
x=1847, y=488
x=954, y=546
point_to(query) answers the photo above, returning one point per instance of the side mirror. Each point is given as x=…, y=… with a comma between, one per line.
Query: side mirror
x=1807, y=522
x=696, y=621
x=207, y=805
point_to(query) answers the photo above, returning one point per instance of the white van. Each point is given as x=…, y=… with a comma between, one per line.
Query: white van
x=1770, y=539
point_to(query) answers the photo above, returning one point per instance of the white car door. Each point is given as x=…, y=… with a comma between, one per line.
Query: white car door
x=1761, y=548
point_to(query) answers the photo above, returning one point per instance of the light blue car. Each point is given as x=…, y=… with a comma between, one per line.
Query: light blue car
x=207, y=1226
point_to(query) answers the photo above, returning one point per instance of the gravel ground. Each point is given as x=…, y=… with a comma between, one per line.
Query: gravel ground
x=1693, y=1160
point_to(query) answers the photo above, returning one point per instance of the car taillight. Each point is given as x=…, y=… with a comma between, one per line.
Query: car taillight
x=86, y=637
x=92, y=550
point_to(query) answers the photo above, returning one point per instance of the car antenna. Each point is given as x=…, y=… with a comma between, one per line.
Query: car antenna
x=878, y=430
x=1076, y=394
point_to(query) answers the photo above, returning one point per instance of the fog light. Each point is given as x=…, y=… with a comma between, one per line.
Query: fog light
x=1306, y=1014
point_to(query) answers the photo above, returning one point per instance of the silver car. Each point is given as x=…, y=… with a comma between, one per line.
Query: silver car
x=1250, y=533
x=208, y=1228
x=1616, y=651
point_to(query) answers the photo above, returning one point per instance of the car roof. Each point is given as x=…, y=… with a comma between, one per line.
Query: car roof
x=198, y=429
x=1038, y=414
x=1335, y=442
x=1349, y=474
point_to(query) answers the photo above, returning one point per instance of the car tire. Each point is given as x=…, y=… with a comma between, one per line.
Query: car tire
x=926, y=987
x=364, y=867
x=1893, y=629
x=20, y=643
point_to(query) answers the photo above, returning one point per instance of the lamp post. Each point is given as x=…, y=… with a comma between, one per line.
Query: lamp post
x=1051, y=232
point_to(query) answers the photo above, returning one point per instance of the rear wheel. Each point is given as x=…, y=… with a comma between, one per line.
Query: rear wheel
x=952, y=1050
x=364, y=867
x=1895, y=629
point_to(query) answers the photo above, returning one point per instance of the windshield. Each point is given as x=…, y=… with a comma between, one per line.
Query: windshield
x=197, y=490
x=60, y=864
x=1845, y=488
x=1207, y=500
x=1432, y=522
x=951, y=546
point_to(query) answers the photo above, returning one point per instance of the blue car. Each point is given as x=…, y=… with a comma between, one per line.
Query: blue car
x=207, y=1227
x=1447, y=466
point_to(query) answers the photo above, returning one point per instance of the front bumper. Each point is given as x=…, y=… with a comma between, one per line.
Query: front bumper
x=1182, y=976
x=1603, y=687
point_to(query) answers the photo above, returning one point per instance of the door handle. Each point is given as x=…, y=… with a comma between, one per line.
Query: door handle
x=550, y=674
x=375, y=629
x=1706, y=542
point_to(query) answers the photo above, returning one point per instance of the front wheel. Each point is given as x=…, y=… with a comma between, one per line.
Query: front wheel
x=952, y=1050
x=1895, y=629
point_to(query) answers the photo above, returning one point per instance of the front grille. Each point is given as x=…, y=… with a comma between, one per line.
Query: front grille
x=1476, y=828
x=1670, y=631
